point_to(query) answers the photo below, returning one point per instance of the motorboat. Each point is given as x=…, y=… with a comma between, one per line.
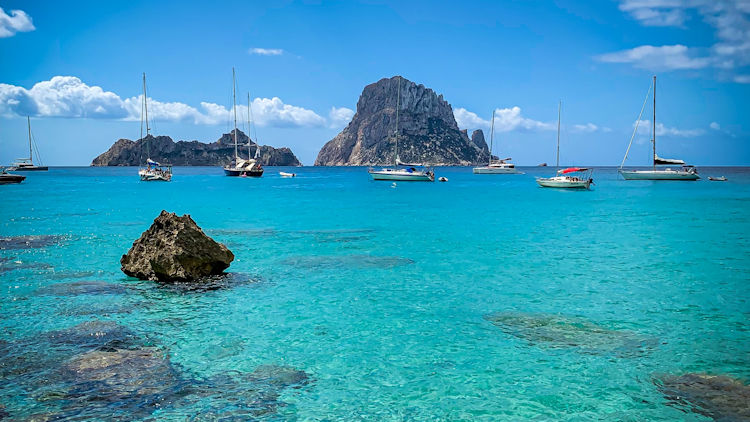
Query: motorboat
x=10, y=178
x=718, y=179
x=285, y=174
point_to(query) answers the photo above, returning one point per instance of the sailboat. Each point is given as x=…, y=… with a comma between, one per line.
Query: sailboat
x=241, y=167
x=685, y=172
x=27, y=164
x=405, y=172
x=496, y=166
x=153, y=171
x=569, y=178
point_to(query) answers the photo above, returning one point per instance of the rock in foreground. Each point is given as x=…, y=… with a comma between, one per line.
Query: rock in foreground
x=175, y=249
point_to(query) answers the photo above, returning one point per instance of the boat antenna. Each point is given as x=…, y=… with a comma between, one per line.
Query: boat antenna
x=492, y=135
x=145, y=108
x=635, y=130
x=234, y=108
x=559, y=108
x=653, y=140
x=398, y=105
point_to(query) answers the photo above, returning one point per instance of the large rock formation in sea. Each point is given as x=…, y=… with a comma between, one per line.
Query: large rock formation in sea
x=125, y=152
x=175, y=249
x=428, y=132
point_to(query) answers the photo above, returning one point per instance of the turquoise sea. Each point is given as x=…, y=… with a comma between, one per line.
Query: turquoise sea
x=484, y=298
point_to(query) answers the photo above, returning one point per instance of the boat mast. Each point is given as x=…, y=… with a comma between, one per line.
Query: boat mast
x=145, y=107
x=248, y=127
x=492, y=135
x=653, y=140
x=398, y=105
x=234, y=108
x=559, y=107
x=31, y=155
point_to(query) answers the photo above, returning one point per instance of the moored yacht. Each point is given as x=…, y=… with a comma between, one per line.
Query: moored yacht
x=496, y=166
x=27, y=164
x=569, y=178
x=153, y=171
x=239, y=166
x=685, y=172
x=10, y=178
x=404, y=172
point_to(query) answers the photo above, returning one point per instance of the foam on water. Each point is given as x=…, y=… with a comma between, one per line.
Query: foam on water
x=379, y=295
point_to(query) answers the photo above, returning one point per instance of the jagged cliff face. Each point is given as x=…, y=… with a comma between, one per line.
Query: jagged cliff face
x=125, y=152
x=428, y=132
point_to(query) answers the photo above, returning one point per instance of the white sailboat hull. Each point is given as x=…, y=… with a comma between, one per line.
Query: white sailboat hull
x=563, y=182
x=153, y=176
x=402, y=175
x=495, y=170
x=667, y=174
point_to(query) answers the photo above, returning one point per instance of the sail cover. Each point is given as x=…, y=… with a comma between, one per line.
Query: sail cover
x=663, y=161
x=401, y=163
x=152, y=162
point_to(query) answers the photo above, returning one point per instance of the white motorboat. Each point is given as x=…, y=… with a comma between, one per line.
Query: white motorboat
x=27, y=164
x=495, y=166
x=404, y=172
x=718, y=179
x=569, y=178
x=685, y=172
x=285, y=174
x=239, y=166
x=153, y=171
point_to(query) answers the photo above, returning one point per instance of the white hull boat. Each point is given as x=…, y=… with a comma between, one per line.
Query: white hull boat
x=154, y=175
x=564, y=182
x=153, y=172
x=686, y=172
x=27, y=164
x=285, y=174
x=666, y=174
x=402, y=175
x=505, y=168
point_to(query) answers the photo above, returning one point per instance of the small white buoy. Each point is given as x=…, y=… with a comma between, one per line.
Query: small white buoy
x=443, y=179
x=393, y=185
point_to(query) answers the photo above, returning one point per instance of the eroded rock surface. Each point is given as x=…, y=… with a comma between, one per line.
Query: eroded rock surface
x=175, y=249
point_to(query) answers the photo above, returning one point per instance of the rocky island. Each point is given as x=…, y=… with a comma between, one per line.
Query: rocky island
x=428, y=132
x=125, y=152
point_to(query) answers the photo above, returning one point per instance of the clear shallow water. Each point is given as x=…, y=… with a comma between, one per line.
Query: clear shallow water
x=384, y=296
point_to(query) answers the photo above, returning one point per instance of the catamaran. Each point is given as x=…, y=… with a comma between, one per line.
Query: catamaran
x=27, y=164
x=153, y=171
x=685, y=172
x=241, y=167
x=401, y=171
x=496, y=166
x=569, y=178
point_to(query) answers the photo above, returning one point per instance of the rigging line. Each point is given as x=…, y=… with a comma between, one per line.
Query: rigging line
x=637, y=122
x=36, y=147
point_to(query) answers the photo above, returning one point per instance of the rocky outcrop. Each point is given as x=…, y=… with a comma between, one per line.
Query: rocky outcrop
x=125, y=152
x=175, y=249
x=717, y=396
x=428, y=132
x=477, y=138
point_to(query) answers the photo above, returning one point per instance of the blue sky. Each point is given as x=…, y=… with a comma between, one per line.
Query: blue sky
x=76, y=68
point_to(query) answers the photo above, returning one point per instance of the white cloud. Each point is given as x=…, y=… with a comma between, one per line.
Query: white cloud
x=644, y=128
x=715, y=126
x=587, y=128
x=17, y=21
x=742, y=79
x=266, y=51
x=340, y=116
x=506, y=120
x=730, y=51
x=69, y=97
x=666, y=57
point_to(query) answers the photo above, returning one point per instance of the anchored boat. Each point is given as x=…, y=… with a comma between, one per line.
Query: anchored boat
x=685, y=172
x=496, y=166
x=27, y=164
x=402, y=171
x=569, y=178
x=10, y=178
x=153, y=171
x=241, y=167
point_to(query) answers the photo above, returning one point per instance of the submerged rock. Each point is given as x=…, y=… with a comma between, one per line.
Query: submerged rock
x=82, y=288
x=175, y=249
x=96, y=334
x=279, y=376
x=716, y=396
x=19, y=265
x=347, y=261
x=560, y=331
x=29, y=242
